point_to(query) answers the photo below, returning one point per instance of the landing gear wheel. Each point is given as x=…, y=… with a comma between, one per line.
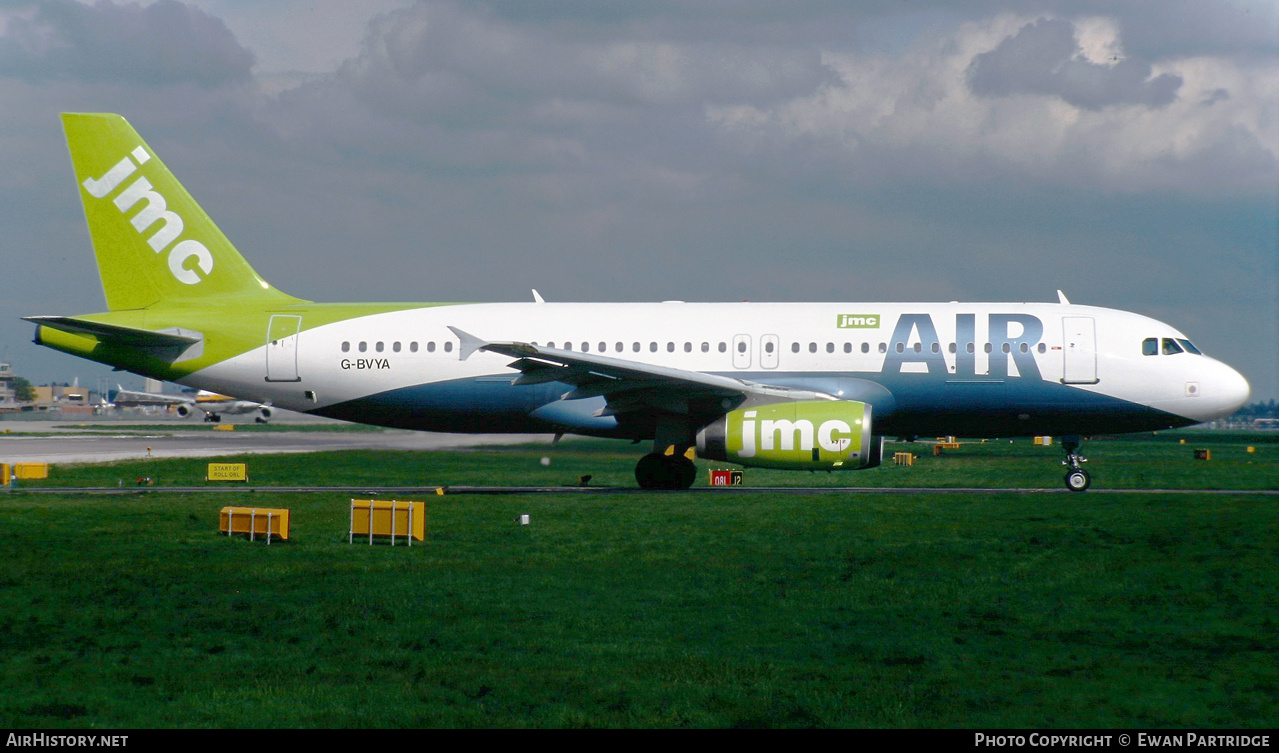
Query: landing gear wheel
x=658, y=471
x=1078, y=480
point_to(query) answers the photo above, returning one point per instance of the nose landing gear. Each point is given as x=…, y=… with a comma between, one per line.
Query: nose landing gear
x=1077, y=479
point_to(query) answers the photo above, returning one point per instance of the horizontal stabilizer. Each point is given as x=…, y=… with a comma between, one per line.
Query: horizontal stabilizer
x=118, y=335
x=173, y=345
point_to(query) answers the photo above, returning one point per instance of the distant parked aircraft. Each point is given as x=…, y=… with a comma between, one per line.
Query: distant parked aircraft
x=211, y=404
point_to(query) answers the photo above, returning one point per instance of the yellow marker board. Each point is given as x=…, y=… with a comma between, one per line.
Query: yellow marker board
x=227, y=472
x=31, y=470
x=255, y=521
x=385, y=517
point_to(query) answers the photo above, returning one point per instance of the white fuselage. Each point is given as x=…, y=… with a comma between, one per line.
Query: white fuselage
x=1019, y=357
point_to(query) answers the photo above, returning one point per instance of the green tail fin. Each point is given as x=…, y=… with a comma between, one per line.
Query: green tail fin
x=152, y=241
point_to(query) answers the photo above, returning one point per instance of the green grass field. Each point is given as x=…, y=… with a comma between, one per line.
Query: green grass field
x=702, y=609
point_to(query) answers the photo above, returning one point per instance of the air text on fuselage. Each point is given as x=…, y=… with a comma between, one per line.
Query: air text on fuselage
x=1015, y=336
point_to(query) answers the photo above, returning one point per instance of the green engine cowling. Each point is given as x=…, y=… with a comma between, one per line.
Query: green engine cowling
x=802, y=435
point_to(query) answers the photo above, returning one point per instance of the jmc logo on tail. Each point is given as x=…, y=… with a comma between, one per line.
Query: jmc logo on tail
x=155, y=210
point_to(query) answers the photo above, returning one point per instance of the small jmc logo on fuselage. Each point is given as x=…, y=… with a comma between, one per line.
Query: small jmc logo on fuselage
x=857, y=321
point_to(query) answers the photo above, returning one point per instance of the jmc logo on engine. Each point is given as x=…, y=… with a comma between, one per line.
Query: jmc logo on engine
x=801, y=434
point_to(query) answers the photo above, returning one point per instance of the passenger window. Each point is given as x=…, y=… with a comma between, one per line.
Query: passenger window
x=1171, y=347
x=448, y=347
x=652, y=347
x=883, y=347
x=364, y=347
x=706, y=347
x=1150, y=346
x=396, y=346
x=812, y=347
x=688, y=347
x=413, y=347
x=1043, y=348
x=794, y=347
x=741, y=347
x=768, y=348
x=670, y=347
x=865, y=347
x=346, y=347
x=378, y=347
x=848, y=347
x=723, y=348
x=635, y=347
x=830, y=347
x=430, y=347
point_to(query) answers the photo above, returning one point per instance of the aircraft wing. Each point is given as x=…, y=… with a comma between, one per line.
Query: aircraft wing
x=628, y=386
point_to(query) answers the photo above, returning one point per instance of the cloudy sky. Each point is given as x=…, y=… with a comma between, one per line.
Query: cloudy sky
x=1124, y=151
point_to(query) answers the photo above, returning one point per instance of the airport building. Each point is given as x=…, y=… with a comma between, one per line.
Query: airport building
x=8, y=397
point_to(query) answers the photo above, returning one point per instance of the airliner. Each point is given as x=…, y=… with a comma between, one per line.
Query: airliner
x=801, y=386
x=210, y=404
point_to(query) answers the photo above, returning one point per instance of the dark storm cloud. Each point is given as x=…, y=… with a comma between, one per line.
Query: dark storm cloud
x=445, y=50
x=161, y=44
x=450, y=86
x=1044, y=58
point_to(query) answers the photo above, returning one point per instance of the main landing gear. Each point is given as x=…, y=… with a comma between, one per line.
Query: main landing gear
x=660, y=471
x=1077, y=479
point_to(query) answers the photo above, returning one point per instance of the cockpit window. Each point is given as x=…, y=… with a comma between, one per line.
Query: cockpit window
x=1171, y=347
x=1190, y=346
x=1150, y=346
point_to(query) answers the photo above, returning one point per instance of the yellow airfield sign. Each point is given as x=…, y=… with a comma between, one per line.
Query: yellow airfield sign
x=227, y=472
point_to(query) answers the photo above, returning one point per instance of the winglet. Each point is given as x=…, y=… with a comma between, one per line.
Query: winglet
x=467, y=344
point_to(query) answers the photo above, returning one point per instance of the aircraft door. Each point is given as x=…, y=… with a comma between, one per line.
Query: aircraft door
x=768, y=347
x=282, y=348
x=1079, y=348
x=741, y=351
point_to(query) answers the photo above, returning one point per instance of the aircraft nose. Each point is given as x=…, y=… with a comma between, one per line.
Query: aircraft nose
x=1218, y=392
x=1232, y=390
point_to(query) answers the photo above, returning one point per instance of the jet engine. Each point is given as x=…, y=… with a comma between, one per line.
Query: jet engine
x=814, y=435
